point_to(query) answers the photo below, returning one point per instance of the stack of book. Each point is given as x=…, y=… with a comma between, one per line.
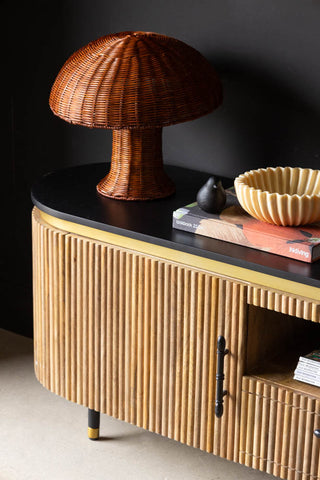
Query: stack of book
x=308, y=369
x=234, y=225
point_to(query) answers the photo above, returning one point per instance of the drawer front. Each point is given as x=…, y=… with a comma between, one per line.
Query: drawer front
x=284, y=303
x=277, y=431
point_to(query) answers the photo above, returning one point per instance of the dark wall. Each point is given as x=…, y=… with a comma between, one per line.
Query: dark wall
x=267, y=54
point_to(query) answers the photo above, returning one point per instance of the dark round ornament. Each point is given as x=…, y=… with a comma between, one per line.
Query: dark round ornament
x=212, y=197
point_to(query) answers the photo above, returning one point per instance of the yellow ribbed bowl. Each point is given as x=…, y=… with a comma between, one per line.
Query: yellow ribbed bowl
x=281, y=195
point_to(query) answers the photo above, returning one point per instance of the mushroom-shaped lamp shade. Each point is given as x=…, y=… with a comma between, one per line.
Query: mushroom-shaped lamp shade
x=135, y=83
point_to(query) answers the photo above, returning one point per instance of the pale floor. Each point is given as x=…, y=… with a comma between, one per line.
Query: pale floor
x=44, y=437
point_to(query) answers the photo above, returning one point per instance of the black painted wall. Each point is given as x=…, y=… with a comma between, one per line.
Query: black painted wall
x=267, y=54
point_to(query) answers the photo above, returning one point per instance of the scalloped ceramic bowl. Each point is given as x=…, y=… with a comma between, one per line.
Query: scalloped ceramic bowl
x=281, y=195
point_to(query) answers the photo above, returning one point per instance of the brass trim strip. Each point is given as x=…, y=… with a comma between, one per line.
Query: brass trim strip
x=213, y=266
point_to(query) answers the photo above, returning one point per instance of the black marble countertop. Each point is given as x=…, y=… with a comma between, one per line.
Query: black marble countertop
x=70, y=194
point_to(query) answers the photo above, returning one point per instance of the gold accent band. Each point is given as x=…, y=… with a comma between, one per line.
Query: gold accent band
x=213, y=266
x=93, y=433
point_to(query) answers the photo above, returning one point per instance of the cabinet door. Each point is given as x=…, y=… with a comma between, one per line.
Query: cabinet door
x=135, y=336
x=277, y=431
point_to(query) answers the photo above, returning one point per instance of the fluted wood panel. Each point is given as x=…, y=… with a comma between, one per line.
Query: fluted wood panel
x=281, y=302
x=277, y=431
x=134, y=336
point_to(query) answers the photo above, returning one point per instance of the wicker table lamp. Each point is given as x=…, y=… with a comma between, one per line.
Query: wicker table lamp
x=135, y=83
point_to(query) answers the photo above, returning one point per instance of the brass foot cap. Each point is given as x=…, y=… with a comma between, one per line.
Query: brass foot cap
x=93, y=433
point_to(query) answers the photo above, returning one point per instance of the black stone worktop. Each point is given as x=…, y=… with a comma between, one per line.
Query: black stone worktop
x=70, y=194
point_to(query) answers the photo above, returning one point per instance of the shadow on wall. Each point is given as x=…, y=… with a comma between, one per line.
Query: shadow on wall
x=262, y=122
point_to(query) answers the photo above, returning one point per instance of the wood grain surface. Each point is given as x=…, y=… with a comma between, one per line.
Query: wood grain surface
x=277, y=431
x=134, y=336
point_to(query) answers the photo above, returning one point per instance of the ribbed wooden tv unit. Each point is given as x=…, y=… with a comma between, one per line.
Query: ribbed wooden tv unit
x=127, y=320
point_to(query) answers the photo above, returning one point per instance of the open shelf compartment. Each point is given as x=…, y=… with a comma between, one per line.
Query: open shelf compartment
x=274, y=344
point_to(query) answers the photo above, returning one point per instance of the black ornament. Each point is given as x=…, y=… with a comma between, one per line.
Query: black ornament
x=212, y=197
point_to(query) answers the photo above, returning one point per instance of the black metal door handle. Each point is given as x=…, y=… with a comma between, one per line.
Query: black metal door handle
x=220, y=393
x=317, y=432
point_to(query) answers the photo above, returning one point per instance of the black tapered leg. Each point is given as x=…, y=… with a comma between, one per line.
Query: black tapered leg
x=93, y=424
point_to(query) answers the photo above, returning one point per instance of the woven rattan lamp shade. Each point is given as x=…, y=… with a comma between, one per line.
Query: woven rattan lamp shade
x=135, y=83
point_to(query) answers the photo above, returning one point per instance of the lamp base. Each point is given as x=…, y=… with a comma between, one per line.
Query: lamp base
x=136, y=171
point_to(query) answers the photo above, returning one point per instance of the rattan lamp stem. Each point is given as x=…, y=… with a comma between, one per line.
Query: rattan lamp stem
x=136, y=171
